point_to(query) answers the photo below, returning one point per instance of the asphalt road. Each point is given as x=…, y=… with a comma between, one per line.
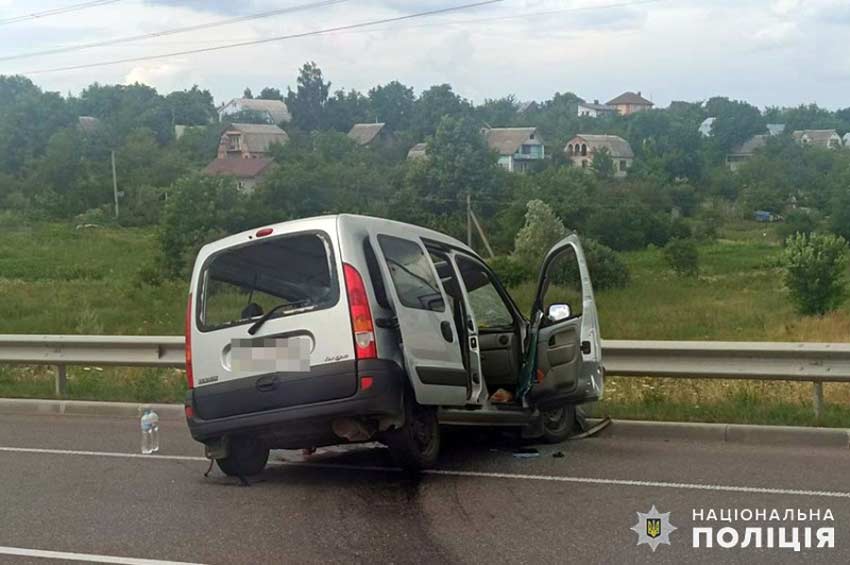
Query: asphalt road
x=73, y=484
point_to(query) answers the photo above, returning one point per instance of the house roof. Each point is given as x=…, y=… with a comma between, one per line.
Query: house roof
x=751, y=145
x=632, y=98
x=596, y=106
x=276, y=109
x=418, y=151
x=616, y=145
x=364, y=134
x=240, y=168
x=815, y=136
x=507, y=141
x=258, y=137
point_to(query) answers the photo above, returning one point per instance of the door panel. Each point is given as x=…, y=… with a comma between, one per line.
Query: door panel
x=569, y=363
x=432, y=353
x=500, y=355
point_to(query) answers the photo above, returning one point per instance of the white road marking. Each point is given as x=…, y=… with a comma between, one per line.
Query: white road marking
x=87, y=557
x=458, y=473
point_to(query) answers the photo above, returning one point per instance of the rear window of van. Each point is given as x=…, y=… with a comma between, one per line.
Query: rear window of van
x=294, y=273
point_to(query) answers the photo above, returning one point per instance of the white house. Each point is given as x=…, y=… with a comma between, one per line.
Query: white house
x=595, y=109
x=274, y=111
x=824, y=138
x=518, y=148
x=581, y=148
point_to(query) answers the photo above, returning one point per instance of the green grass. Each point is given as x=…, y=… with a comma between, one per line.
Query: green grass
x=55, y=279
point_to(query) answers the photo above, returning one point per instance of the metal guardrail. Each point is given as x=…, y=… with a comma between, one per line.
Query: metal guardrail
x=809, y=362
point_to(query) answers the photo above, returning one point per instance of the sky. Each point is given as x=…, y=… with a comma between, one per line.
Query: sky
x=768, y=52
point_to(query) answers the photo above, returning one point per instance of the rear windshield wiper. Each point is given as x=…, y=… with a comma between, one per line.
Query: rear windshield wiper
x=255, y=327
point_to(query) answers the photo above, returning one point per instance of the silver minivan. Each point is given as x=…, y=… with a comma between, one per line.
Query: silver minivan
x=344, y=329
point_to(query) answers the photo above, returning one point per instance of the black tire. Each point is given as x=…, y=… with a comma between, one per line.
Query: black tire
x=247, y=457
x=416, y=445
x=559, y=424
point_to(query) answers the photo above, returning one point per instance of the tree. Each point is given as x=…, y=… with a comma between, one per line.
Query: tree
x=269, y=93
x=28, y=118
x=816, y=271
x=343, y=110
x=392, y=104
x=603, y=164
x=200, y=209
x=736, y=122
x=499, y=112
x=433, y=105
x=123, y=108
x=541, y=231
x=307, y=102
x=193, y=107
x=247, y=94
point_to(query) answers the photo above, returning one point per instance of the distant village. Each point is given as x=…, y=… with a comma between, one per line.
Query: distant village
x=244, y=148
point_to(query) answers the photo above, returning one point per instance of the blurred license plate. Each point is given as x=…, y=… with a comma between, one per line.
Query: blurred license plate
x=270, y=355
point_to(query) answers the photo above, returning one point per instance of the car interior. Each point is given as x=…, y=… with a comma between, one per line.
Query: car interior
x=499, y=340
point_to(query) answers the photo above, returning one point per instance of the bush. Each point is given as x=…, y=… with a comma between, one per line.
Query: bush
x=607, y=269
x=201, y=209
x=683, y=257
x=511, y=271
x=815, y=271
x=797, y=221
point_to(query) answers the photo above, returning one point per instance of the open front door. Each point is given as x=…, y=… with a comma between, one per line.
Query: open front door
x=432, y=350
x=566, y=327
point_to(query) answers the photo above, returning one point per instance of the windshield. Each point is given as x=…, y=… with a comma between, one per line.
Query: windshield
x=282, y=276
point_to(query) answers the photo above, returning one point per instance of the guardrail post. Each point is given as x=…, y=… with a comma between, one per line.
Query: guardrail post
x=818, y=399
x=61, y=381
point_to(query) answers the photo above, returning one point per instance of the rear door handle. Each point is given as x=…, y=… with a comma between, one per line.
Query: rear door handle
x=446, y=330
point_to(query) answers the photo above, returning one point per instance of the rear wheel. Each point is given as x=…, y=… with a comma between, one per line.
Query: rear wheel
x=416, y=445
x=246, y=457
x=559, y=424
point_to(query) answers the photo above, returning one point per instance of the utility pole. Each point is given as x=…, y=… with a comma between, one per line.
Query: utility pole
x=114, y=183
x=469, y=219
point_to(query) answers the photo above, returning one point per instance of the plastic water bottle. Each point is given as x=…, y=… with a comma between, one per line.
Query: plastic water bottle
x=150, y=432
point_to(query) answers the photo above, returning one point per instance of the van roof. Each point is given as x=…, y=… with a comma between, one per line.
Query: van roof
x=326, y=222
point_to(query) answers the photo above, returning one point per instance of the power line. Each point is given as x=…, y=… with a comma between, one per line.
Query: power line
x=57, y=11
x=175, y=31
x=526, y=15
x=268, y=39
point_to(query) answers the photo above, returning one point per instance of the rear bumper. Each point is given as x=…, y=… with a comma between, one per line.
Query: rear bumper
x=382, y=399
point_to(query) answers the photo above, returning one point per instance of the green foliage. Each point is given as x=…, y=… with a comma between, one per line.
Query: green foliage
x=607, y=268
x=602, y=163
x=510, y=270
x=269, y=93
x=541, y=231
x=200, y=209
x=839, y=219
x=435, y=104
x=393, y=104
x=308, y=100
x=682, y=256
x=797, y=221
x=816, y=271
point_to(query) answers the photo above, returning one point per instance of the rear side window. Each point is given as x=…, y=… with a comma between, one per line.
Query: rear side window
x=293, y=273
x=412, y=274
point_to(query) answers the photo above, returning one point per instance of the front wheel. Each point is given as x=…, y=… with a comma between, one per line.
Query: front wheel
x=246, y=457
x=416, y=445
x=559, y=424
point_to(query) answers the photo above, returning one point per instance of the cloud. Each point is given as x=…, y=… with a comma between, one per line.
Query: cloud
x=776, y=36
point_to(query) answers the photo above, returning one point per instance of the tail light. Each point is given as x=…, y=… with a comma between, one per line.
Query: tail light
x=190, y=378
x=361, y=315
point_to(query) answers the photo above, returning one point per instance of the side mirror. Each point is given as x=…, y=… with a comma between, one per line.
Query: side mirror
x=558, y=312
